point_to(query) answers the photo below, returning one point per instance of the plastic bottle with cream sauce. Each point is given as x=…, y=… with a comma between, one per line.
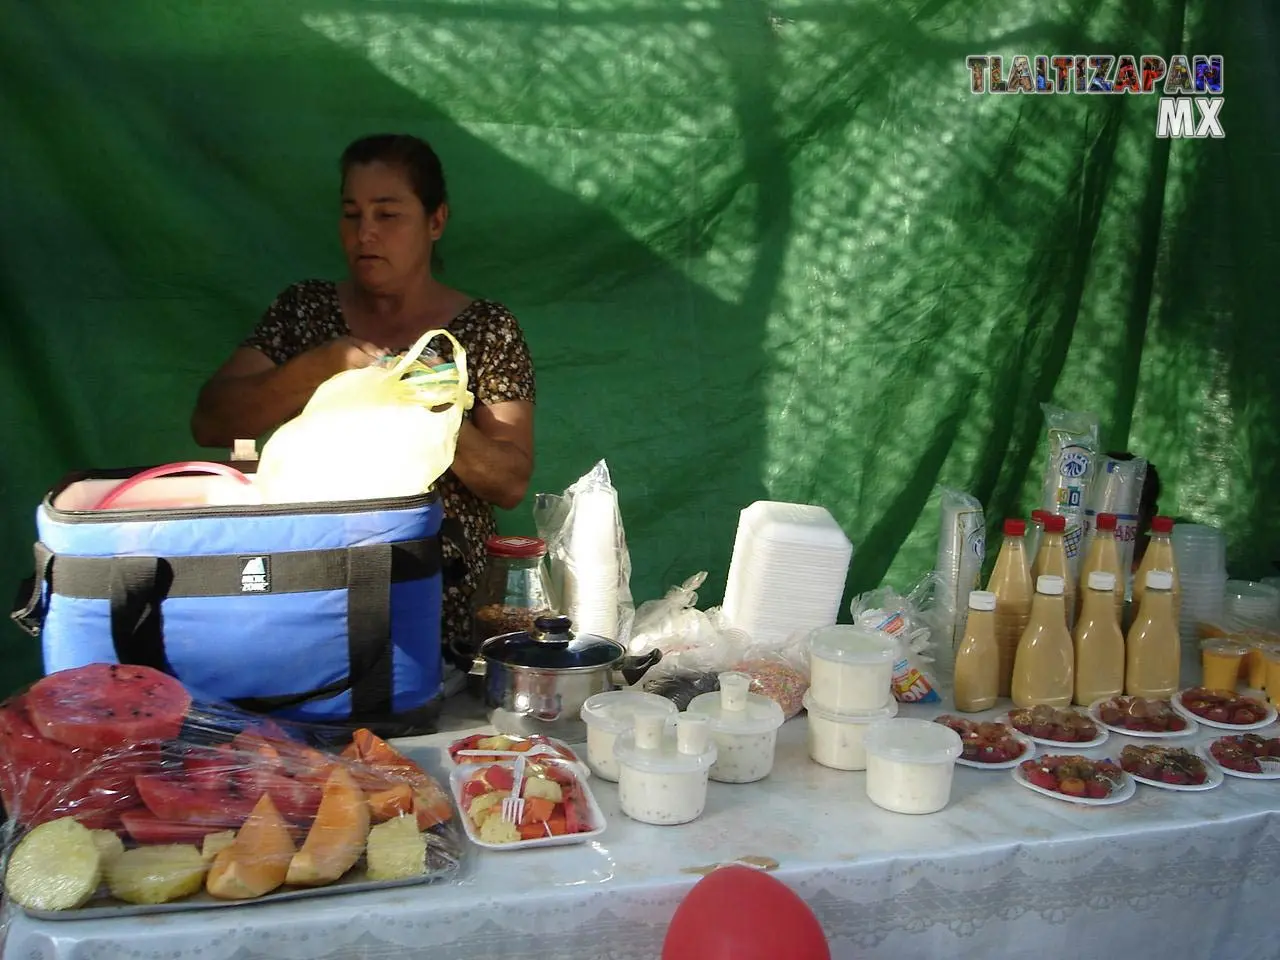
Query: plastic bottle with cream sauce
x=1051, y=561
x=977, y=671
x=1103, y=556
x=1099, y=642
x=1153, y=649
x=1044, y=667
x=1159, y=556
x=1013, y=588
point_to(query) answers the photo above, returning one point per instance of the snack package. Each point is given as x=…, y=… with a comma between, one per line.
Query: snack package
x=962, y=548
x=587, y=549
x=780, y=673
x=1073, y=450
x=122, y=787
x=914, y=620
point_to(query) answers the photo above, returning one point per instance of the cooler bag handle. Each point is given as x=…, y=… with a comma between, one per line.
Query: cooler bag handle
x=186, y=466
x=28, y=606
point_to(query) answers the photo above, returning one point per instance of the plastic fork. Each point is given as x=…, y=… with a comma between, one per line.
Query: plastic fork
x=513, y=806
x=537, y=750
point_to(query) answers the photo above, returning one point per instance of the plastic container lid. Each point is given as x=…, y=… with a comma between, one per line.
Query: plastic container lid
x=1159, y=580
x=907, y=740
x=516, y=548
x=1106, y=521
x=1015, y=528
x=1053, y=523
x=982, y=600
x=614, y=711
x=852, y=643
x=886, y=712
x=666, y=759
x=1224, y=646
x=761, y=715
x=1102, y=580
x=1162, y=524
x=1051, y=585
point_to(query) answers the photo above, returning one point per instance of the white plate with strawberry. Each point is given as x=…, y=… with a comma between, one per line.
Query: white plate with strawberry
x=559, y=808
x=1075, y=779
x=988, y=744
x=1168, y=767
x=1141, y=717
x=1224, y=709
x=1058, y=727
x=1248, y=756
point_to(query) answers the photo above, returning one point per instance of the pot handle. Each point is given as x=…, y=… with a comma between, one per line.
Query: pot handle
x=632, y=668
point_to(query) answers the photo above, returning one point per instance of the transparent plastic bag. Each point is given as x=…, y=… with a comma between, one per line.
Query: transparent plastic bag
x=121, y=787
x=779, y=672
x=587, y=551
x=693, y=663
x=1116, y=488
x=379, y=431
x=915, y=620
x=673, y=622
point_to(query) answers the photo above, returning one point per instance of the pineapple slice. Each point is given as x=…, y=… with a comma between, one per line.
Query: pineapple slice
x=108, y=843
x=494, y=743
x=57, y=866
x=542, y=787
x=496, y=830
x=156, y=874
x=396, y=850
x=483, y=805
x=213, y=842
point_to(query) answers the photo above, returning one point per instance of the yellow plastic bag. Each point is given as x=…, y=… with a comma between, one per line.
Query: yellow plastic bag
x=374, y=432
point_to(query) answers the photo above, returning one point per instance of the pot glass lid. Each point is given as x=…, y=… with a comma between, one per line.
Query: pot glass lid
x=552, y=645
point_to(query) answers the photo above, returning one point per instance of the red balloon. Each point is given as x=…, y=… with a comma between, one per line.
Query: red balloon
x=739, y=913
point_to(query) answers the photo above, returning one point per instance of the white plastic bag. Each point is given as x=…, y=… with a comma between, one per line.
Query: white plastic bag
x=371, y=433
x=587, y=550
x=1073, y=451
x=915, y=620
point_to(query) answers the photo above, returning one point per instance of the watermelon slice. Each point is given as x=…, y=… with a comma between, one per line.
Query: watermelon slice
x=103, y=705
x=177, y=800
x=145, y=827
x=22, y=747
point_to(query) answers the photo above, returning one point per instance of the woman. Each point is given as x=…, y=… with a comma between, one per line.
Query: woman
x=394, y=211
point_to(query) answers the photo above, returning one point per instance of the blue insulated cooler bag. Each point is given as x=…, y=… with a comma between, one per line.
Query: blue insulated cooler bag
x=324, y=612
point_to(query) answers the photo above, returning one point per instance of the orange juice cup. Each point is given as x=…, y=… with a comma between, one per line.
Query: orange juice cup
x=1220, y=662
x=1272, y=659
x=1254, y=667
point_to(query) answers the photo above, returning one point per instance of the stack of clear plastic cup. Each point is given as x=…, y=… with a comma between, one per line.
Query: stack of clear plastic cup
x=1200, y=552
x=1251, y=606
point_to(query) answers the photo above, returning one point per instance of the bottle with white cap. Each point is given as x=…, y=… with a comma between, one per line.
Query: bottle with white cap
x=977, y=670
x=1044, y=665
x=1153, y=651
x=1099, y=642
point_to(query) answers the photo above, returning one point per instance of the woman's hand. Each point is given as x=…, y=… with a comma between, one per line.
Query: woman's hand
x=350, y=353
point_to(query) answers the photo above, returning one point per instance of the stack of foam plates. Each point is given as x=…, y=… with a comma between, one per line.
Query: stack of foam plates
x=790, y=561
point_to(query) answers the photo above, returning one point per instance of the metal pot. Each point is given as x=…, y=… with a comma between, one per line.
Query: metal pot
x=537, y=681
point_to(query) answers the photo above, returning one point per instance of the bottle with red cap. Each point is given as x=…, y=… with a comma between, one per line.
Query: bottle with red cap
x=1051, y=561
x=1103, y=556
x=1012, y=585
x=1159, y=556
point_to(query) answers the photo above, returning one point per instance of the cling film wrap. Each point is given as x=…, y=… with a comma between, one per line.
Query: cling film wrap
x=1073, y=452
x=125, y=792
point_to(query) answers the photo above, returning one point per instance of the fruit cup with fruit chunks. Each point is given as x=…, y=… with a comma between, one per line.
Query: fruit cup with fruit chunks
x=554, y=802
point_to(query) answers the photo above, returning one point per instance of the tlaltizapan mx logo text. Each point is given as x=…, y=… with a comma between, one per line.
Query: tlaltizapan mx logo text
x=1189, y=88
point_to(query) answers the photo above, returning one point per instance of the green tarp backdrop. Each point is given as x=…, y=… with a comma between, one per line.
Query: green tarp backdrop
x=759, y=249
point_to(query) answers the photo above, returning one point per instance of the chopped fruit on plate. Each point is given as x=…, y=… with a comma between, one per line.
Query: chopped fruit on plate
x=1223, y=706
x=984, y=742
x=1175, y=766
x=1244, y=753
x=1053, y=723
x=1141, y=715
x=1073, y=776
x=554, y=803
x=502, y=744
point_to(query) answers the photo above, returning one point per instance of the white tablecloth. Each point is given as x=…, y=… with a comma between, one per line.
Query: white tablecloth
x=1002, y=872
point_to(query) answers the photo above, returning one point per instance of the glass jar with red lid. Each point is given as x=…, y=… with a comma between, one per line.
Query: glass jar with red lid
x=515, y=589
